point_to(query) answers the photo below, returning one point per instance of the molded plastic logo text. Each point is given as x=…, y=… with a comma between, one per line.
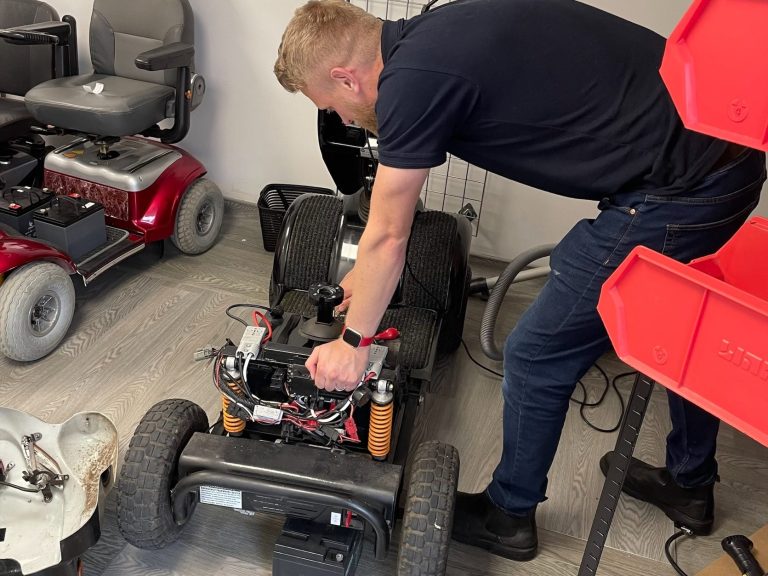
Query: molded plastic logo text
x=747, y=361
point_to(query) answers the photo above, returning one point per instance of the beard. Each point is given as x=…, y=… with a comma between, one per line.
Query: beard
x=365, y=117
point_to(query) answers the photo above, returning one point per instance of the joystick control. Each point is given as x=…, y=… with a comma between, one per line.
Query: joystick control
x=323, y=327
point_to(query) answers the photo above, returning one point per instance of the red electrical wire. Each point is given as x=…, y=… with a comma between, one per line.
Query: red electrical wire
x=256, y=317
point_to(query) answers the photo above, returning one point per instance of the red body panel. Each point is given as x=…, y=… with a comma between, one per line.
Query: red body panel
x=16, y=252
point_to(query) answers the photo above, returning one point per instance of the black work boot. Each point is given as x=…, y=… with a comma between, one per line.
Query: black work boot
x=478, y=522
x=693, y=508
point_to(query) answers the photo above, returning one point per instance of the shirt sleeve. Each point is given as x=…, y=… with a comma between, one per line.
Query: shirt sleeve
x=418, y=113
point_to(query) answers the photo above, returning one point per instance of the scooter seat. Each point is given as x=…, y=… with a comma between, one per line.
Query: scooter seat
x=124, y=107
x=15, y=120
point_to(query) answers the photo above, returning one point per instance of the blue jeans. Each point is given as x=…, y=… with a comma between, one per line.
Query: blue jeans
x=561, y=335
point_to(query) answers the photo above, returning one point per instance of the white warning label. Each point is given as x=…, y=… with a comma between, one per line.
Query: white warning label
x=221, y=497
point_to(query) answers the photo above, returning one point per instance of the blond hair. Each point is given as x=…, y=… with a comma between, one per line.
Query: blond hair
x=325, y=33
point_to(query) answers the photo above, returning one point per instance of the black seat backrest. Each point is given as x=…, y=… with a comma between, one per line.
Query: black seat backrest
x=22, y=67
x=123, y=29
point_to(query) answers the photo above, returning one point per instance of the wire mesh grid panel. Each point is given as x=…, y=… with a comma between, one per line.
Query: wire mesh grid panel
x=456, y=186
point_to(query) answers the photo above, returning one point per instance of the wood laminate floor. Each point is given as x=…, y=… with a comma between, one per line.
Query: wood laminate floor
x=131, y=345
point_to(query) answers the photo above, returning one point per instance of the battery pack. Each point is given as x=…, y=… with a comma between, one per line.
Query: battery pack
x=74, y=225
x=18, y=203
x=312, y=549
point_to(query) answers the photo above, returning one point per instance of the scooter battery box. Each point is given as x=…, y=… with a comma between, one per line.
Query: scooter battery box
x=74, y=225
x=18, y=203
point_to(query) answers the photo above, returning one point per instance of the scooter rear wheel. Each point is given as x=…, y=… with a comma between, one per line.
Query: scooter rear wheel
x=199, y=218
x=429, y=506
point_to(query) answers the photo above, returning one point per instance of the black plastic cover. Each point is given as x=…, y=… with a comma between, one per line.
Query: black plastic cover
x=345, y=153
x=313, y=469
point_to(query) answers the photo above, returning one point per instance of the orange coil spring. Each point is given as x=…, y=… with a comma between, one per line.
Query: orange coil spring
x=380, y=432
x=232, y=424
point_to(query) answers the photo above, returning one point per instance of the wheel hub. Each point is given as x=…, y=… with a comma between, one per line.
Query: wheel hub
x=205, y=218
x=44, y=314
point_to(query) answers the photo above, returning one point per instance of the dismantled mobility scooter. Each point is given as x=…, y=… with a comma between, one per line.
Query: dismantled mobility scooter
x=53, y=482
x=79, y=192
x=331, y=462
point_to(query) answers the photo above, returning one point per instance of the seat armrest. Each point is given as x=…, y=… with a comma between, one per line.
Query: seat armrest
x=53, y=32
x=175, y=55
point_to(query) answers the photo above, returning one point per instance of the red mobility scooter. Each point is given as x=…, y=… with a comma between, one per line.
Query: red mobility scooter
x=112, y=182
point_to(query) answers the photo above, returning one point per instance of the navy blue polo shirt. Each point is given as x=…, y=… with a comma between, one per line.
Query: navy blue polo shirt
x=555, y=94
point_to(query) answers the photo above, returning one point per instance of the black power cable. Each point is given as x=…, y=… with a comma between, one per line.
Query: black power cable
x=499, y=374
x=243, y=322
x=682, y=532
x=583, y=403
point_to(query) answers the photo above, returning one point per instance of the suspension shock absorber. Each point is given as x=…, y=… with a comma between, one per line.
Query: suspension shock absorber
x=232, y=424
x=380, y=430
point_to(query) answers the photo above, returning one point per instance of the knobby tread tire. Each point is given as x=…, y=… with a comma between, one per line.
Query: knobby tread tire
x=144, y=514
x=429, y=507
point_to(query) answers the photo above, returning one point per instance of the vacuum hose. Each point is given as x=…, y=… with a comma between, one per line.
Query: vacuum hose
x=488, y=324
x=739, y=548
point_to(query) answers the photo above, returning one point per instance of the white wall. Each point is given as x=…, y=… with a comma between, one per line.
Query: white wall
x=250, y=132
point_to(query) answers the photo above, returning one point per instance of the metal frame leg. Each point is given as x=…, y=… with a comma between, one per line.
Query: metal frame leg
x=617, y=472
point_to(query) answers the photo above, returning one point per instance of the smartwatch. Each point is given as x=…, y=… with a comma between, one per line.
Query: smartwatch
x=354, y=338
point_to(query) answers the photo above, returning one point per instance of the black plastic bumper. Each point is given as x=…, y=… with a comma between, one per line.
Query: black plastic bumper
x=295, y=480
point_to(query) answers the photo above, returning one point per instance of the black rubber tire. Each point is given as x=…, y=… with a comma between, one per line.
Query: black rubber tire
x=144, y=514
x=20, y=293
x=190, y=234
x=429, y=506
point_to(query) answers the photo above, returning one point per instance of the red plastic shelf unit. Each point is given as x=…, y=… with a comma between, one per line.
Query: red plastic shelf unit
x=700, y=329
x=715, y=70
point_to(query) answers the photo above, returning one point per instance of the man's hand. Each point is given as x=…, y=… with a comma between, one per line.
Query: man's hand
x=338, y=366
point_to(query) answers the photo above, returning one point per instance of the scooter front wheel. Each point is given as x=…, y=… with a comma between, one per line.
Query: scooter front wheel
x=37, y=302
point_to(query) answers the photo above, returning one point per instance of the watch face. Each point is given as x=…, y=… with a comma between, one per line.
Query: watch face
x=351, y=337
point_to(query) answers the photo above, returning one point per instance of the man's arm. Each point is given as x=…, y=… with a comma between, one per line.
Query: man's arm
x=380, y=260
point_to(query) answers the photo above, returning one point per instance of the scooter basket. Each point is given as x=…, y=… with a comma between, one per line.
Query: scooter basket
x=274, y=201
x=699, y=329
